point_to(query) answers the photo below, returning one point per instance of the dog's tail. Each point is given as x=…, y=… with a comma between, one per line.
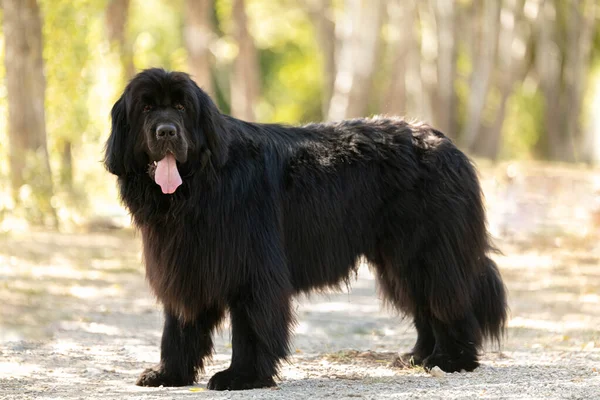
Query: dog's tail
x=490, y=304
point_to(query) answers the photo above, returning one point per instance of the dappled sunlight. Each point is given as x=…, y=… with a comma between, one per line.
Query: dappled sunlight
x=17, y=370
x=49, y=279
x=532, y=261
x=589, y=298
x=86, y=292
x=569, y=323
x=65, y=346
x=13, y=224
x=543, y=201
x=348, y=306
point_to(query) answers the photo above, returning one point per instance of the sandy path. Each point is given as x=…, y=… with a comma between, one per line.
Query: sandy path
x=92, y=326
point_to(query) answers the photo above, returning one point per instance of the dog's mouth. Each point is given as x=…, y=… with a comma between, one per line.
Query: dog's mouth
x=165, y=173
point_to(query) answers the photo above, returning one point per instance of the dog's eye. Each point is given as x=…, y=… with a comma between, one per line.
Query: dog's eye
x=147, y=108
x=179, y=107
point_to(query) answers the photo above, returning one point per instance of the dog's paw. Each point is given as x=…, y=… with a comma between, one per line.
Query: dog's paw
x=233, y=380
x=449, y=364
x=407, y=360
x=157, y=376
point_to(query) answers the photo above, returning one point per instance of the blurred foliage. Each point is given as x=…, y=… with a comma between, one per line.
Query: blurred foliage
x=289, y=61
x=522, y=130
x=74, y=42
x=84, y=78
x=156, y=26
x=72, y=30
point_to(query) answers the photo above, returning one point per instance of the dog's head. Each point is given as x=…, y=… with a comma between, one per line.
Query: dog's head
x=164, y=125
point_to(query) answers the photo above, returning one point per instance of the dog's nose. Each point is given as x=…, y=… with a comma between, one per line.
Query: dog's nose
x=166, y=131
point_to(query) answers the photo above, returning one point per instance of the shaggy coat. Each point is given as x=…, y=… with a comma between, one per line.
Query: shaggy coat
x=240, y=217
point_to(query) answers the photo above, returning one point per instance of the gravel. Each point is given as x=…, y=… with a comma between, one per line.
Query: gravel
x=84, y=327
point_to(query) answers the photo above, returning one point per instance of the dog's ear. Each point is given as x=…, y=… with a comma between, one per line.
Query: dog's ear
x=115, y=151
x=213, y=125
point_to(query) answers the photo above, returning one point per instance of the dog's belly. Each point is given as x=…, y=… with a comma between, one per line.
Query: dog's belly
x=323, y=257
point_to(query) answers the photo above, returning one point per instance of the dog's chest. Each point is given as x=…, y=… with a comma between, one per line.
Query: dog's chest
x=180, y=271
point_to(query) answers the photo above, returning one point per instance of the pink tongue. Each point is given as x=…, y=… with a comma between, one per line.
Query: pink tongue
x=167, y=175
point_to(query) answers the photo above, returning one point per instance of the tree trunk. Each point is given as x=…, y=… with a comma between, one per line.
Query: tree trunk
x=245, y=81
x=446, y=102
x=589, y=149
x=417, y=101
x=198, y=35
x=563, y=73
x=26, y=85
x=117, y=13
x=399, y=21
x=428, y=47
x=549, y=58
x=483, y=63
x=593, y=132
x=579, y=35
x=321, y=13
x=360, y=37
x=548, y=68
x=509, y=68
x=66, y=164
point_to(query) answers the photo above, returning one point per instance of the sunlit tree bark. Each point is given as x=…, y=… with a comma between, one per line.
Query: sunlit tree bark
x=359, y=36
x=400, y=22
x=483, y=64
x=321, y=13
x=511, y=66
x=445, y=108
x=198, y=35
x=245, y=80
x=563, y=67
x=117, y=14
x=26, y=85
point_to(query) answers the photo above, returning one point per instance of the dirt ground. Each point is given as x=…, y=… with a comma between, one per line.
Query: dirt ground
x=77, y=319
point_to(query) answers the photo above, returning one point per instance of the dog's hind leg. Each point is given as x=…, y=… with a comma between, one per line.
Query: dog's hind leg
x=424, y=345
x=456, y=344
x=467, y=305
x=430, y=286
x=448, y=284
x=399, y=292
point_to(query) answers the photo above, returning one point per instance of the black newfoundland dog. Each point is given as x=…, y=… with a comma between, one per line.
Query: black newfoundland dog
x=240, y=217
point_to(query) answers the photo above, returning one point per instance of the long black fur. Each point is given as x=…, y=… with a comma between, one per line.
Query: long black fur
x=266, y=212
